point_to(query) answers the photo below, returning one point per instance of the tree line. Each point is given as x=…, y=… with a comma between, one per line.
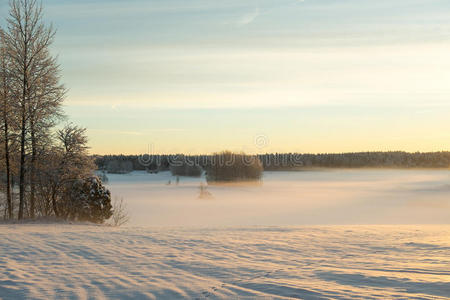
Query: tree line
x=219, y=167
x=276, y=161
x=392, y=159
x=44, y=171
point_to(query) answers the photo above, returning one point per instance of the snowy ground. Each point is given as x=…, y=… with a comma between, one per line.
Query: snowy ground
x=246, y=242
x=86, y=262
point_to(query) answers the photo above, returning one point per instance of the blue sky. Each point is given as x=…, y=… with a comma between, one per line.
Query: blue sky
x=202, y=76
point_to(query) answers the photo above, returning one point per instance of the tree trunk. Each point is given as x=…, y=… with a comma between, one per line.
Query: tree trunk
x=32, y=171
x=8, y=171
x=22, y=167
x=22, y=144
x=6, y=132
x=23, y=128
x=55, y=208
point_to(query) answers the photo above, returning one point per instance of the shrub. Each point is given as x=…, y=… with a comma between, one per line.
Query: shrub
x=120, y=214
x=204, y=193
x=227, y=166
x=89, y=201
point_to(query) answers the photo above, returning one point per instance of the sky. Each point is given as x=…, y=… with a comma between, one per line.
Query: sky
x=199, y=76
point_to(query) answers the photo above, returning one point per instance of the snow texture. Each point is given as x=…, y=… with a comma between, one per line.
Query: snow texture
x=60, y=261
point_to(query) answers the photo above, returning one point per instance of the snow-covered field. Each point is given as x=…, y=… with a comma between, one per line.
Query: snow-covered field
x=248, y=242
x=91, y=262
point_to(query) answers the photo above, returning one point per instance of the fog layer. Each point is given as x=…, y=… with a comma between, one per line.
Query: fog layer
x=289, y=198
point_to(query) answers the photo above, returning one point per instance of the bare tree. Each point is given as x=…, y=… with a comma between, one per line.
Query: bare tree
x=36, y=81
x=5, y=99
x=44, y=111
x=120, y=215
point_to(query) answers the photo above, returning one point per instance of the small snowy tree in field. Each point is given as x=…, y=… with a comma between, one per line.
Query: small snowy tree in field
x=120, y=214
x=90, y=201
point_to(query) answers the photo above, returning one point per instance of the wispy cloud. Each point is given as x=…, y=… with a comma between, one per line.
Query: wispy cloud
x=121, y=132
x=248, y=17
x=167, y=130
x=137, y=133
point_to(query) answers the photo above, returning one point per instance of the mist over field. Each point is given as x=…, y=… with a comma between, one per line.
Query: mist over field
x=361, y=196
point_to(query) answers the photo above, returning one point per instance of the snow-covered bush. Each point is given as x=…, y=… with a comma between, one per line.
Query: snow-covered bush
x=228, y=166
x=58, y=167
x=89, y=201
